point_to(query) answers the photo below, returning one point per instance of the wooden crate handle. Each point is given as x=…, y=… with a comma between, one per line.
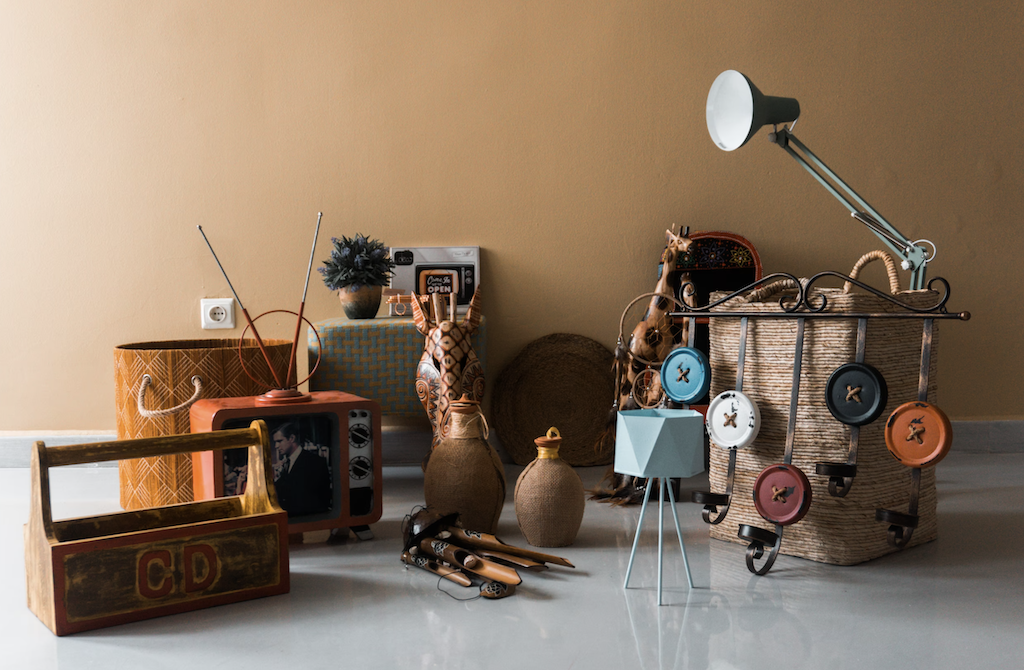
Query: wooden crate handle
x=259, y=495
x=146, y=447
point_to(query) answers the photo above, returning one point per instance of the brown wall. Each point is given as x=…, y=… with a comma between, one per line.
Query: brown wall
x=563, y=138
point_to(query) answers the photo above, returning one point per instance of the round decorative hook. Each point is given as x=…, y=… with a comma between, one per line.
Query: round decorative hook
x=759, y=538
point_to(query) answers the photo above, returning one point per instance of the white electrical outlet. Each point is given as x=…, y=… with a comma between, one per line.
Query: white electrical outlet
x=217, y=312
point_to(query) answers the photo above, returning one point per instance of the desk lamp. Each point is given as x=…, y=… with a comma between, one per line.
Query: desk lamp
x=736, y=110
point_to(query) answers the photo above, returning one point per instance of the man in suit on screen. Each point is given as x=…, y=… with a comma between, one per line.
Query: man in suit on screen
x=304, y=485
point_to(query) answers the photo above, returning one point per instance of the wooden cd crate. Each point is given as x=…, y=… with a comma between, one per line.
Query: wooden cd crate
x=92, y=572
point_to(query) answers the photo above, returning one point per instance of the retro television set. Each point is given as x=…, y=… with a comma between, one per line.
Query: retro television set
x=326, y=453
x=326, y=445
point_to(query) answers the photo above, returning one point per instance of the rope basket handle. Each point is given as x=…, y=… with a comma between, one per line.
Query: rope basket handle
x=890, y=269
x=765, y=292
x=157, y=413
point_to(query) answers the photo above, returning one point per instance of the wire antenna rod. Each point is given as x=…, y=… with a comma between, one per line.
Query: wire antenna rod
x=302, y=305
x=259, y=340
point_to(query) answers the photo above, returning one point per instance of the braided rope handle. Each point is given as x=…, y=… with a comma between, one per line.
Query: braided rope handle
x=765, y=292
x=890, y=269
x=157, y=413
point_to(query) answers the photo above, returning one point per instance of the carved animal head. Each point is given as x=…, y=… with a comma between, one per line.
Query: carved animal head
x=676, y=246
x=449, y=367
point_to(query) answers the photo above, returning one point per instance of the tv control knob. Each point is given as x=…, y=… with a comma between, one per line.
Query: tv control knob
x=359, y=435
x=360, y=467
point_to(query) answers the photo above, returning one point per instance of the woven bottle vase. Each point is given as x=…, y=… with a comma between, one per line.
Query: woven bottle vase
x=549, y=497
x=464, y=473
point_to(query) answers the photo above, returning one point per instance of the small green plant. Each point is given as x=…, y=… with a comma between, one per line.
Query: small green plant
x=357, y=261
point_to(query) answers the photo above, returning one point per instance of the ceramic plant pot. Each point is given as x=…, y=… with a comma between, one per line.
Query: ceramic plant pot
x=360, y=302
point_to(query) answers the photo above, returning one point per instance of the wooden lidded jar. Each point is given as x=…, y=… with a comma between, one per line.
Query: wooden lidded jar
x=549, y=497
x=464, y=473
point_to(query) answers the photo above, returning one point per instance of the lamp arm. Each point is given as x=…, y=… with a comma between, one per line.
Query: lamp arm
x=914, y=256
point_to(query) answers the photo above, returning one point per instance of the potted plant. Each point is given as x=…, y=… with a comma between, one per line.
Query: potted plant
x=358, y=269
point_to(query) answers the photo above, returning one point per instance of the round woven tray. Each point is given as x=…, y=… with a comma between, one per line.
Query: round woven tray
x=559, y=380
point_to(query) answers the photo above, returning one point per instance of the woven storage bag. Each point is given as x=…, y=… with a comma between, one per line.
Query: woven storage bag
x=841, y=531
x=167, y=480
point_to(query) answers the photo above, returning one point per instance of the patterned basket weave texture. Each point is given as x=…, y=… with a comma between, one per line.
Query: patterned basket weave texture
x=167, y=480
x=464, y=475
x=549, y=501
x=841, y=531
x=559, y=380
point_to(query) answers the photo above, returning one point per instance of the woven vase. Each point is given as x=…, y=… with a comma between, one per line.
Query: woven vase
x=464, y=474
x=549, y=497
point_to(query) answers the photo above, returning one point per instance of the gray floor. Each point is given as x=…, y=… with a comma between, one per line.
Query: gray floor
x=954, y=603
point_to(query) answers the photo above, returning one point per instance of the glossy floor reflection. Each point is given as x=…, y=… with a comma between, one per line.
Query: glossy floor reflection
x=954, y=603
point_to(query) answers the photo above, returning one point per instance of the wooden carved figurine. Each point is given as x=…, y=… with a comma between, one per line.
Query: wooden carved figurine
x=655, y=335
x=638, y=381
x=449, y=367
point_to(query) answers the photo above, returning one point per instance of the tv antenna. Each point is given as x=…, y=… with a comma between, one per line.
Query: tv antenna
x=282, y=391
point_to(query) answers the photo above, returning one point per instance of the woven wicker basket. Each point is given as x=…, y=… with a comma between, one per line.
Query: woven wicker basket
x=167, y=480
x=841, y=531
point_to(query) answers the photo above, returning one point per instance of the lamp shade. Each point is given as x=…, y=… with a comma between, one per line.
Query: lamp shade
x=659, y=443
x=737, y=109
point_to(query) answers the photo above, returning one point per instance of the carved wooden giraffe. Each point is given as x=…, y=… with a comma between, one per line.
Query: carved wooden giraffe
x=449, y=367
x=655, y=336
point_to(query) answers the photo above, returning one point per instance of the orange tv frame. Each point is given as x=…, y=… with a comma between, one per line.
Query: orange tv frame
x=338, y=427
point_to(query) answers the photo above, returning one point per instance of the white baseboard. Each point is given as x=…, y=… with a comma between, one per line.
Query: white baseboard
x=402, y=447
x=16, y=446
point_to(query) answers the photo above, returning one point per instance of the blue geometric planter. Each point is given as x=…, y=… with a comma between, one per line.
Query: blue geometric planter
x=659, y=443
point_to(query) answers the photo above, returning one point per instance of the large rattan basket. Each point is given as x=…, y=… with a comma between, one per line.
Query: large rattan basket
x=171, y=366
x=840, y=531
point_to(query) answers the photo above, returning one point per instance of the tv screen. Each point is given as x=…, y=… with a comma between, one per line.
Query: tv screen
x=305, y=454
